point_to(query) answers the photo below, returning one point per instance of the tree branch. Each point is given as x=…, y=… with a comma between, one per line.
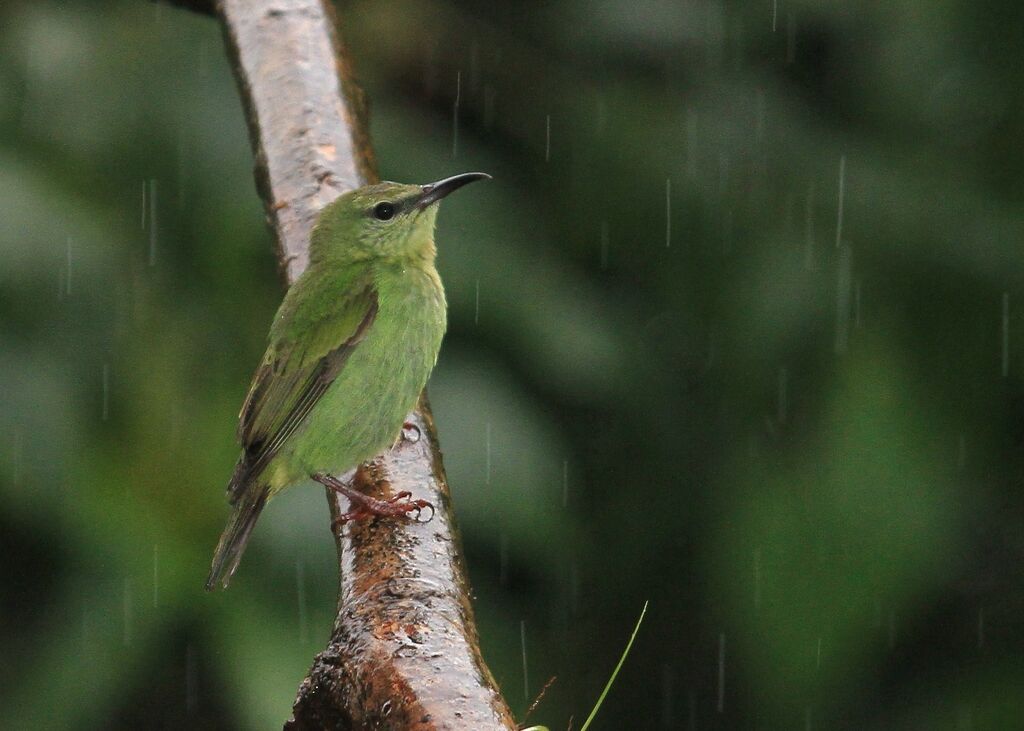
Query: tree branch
x=404, y=653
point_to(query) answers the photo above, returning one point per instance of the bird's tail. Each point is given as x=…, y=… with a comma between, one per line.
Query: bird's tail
x=246, y=509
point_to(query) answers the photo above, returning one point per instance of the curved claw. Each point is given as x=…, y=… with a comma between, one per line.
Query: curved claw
x=420, y=504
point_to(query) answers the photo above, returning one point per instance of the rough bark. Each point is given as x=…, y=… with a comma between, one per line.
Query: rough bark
x=404, y=652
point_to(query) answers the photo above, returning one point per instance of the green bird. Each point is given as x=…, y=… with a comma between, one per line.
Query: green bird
x=350, y=350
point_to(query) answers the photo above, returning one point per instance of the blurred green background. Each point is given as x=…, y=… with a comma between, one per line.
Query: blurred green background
x=738, y=328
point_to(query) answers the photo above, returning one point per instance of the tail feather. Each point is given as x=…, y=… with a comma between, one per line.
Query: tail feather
x=247, y=507
x=240, y=478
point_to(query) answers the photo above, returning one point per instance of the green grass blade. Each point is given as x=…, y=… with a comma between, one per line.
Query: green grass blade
x=608, y=685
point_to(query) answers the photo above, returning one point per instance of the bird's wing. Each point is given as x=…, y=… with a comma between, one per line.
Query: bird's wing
x=313, y=336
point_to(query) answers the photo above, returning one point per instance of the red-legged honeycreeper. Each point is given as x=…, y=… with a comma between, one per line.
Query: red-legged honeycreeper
x=350, y=350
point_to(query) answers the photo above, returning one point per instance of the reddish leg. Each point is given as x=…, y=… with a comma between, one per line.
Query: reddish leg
x=364, y=506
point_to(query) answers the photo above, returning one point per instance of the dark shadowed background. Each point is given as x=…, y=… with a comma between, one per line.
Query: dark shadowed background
x=738, y=328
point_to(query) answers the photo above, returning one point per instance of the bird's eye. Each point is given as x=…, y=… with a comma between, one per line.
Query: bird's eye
x=384, y=211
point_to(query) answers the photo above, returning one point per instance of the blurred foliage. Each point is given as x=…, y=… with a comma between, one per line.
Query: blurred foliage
x=671, y=374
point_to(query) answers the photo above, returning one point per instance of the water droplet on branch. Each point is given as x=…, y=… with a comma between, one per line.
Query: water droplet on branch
x=410, y=432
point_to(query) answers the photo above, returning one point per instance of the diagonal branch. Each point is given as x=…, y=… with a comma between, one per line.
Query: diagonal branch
x=404, y=653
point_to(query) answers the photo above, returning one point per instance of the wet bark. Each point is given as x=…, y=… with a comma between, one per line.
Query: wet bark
x=404, y=652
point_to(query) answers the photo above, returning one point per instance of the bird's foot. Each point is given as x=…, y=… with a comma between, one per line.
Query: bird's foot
x=364, y=506
x=399, y=506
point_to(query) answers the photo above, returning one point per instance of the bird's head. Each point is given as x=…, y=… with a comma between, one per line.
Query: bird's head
x=388, y=221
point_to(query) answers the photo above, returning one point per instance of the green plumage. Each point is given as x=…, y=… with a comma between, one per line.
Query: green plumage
x=350, y=350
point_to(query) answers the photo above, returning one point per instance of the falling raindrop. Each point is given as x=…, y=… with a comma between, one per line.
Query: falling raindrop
x=300, y=585
x=85, y=629
x=759, y=115
x=752, y=446
x=604, y=244
x=809, y=229
x=790, y=38
x=476, y=306
x=757, y=578
x=842, y=196
x=180, y=155
x=565, y=483
x=127, y=611
x=727, y=225
x=547, y=138
x=600, y=115
x=152, y=222
x=144, y=184
x=490, y=95
x=1006, y=334
x=691, y=145
x=191, y=681
x=668, y=212
x=522, y=644
x=783, y=406
x=430, y=69
x=574, y=587
x=775, y=15
x=843, y=300
x=203, y=63
x=474, y=66
x=856, y=304
x=807, y=719
x=487, y=432
x=106, y=391
x=19, y=443
x=790, y=213
x=817, y=656
x=723, y=174
x=455, y=114
x=67, y=281
x=666, y=696
x=721, y=673
x=156, y=576
x=503, y=559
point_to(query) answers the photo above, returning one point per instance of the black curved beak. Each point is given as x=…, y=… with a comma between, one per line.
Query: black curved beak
x=433, y=192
